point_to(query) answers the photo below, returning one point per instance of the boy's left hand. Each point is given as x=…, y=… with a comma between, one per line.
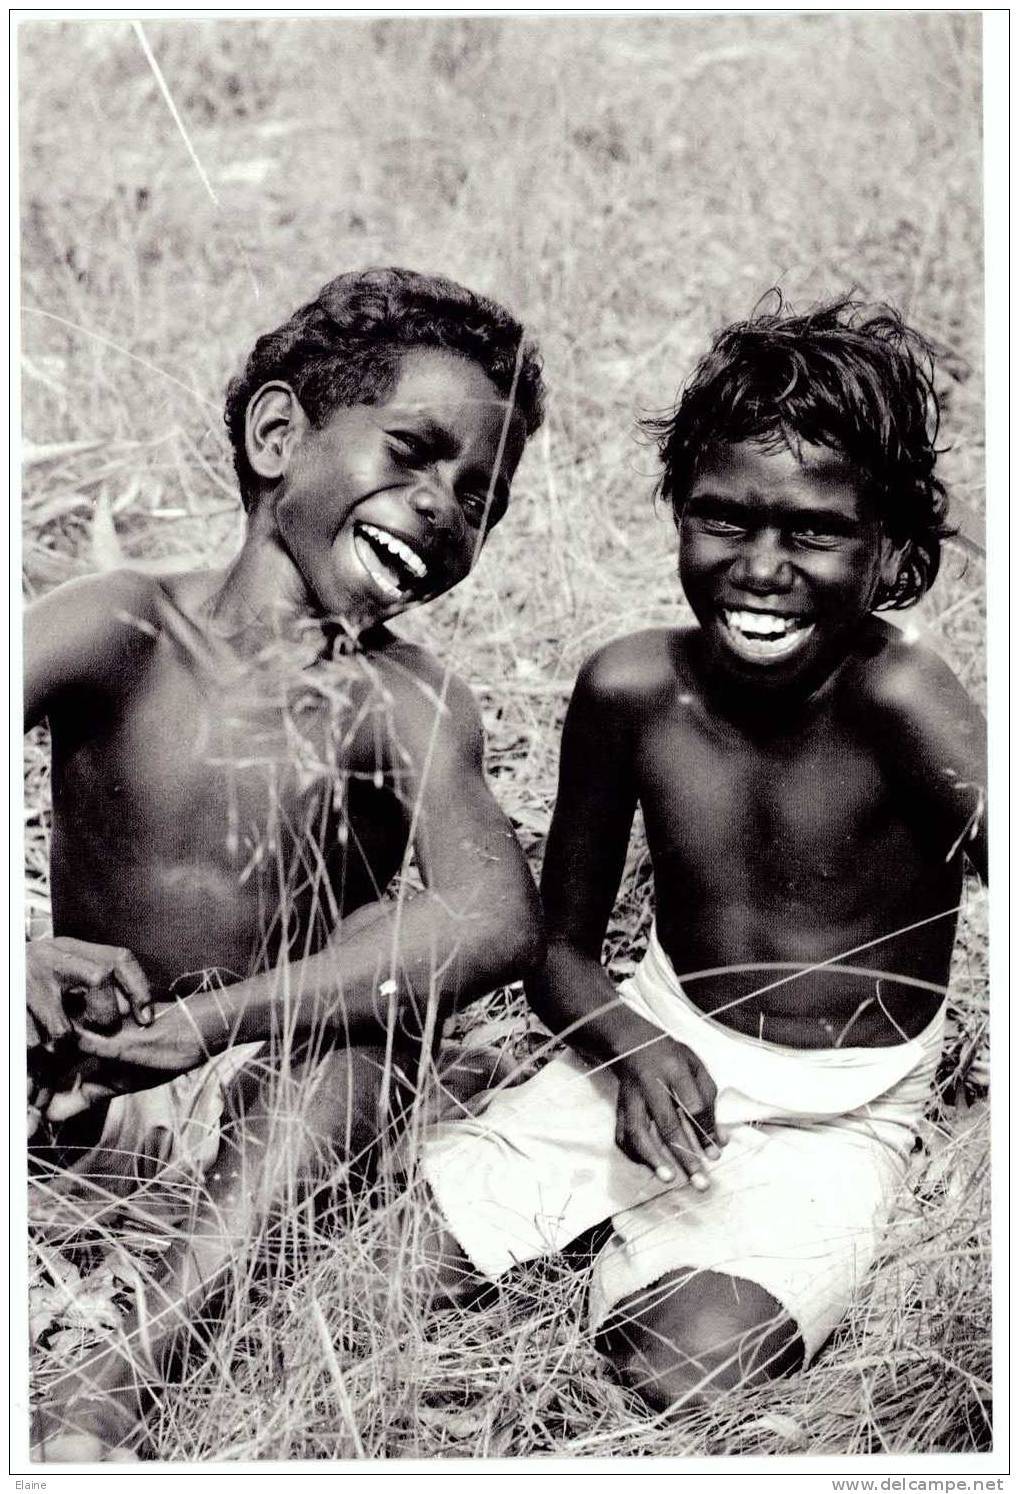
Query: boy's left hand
x=665, y=1115
x=73, y=985
x=131, y=1059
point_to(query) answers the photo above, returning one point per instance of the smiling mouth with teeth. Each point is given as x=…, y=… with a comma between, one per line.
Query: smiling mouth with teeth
x=763, y=636
x=396, y=568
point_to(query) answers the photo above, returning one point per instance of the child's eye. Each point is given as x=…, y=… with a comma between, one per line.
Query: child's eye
x=715, y=524
x=478, y=508
x=817, y=539
x=409, y=445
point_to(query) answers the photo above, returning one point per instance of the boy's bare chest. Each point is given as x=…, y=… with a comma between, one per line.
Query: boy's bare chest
x=255, y=764
x=201, y=826
x=786, y=818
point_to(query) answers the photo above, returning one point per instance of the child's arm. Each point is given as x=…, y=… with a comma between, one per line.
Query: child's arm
x=81, y=639
x=475, y=925
x=935, y=741
x=76, y=643
x=666, y=1096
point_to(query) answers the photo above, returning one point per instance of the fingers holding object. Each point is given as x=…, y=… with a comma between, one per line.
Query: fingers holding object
x=686, y=1146
x=95, y=1006
x=692, y=1093
x=133, y=984
x=123, y=983
x=700, y=1126
x=685, y=1130
x=76, y=963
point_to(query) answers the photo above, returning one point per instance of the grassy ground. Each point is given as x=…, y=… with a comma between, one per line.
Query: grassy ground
x=627, y=185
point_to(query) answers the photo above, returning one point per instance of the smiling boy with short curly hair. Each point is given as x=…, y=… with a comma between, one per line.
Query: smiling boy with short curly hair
x=243, y=760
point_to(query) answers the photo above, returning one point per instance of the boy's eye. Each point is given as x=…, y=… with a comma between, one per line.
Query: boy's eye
x=716, y=524
x=478, y=509
x=409, y=444
x=813, y=538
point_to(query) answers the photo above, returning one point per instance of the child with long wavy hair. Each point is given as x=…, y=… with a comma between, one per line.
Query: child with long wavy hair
x=812, y=784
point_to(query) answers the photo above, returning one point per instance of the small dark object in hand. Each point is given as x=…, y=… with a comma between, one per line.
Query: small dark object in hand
x=94, y=1007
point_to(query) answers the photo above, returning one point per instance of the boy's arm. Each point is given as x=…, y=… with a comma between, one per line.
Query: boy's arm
x=935, y=740
x=666, y=1097
x=584, y=859
x=80, y=638
x=475, y=925
x=75, y=640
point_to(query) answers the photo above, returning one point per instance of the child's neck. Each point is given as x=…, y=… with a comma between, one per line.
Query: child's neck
x=262, y=603
x=767, y=710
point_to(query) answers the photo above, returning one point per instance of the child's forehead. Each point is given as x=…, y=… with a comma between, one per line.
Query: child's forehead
x=451, y=399
x=779, y=462
x=444, y=384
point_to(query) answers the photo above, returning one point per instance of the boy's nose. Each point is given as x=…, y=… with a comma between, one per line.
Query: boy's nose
x=763, y=563
x=434, y=499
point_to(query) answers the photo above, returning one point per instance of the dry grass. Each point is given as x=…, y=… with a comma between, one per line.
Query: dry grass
x=627, y=184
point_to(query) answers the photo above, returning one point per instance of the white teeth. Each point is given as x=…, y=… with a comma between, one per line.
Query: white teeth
x=763, y=624
x=765, y=635
x=383, y=580
x=397, y=547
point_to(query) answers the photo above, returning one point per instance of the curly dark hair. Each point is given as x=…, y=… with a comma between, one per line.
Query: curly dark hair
x=848, y=376
x=344, y=348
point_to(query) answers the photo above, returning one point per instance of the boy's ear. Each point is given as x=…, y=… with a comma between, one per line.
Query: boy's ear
x=891, y=561
x=273, y=422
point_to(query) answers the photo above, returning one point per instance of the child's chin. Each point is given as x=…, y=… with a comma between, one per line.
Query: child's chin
x=365, y=606
x=752, y=674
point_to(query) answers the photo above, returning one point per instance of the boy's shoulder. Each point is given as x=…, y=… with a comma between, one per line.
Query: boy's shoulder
x=637, y=669
x=420, y=685
x=95, y=633
x=98, y=618
x=126, y=596
x=896, y=675
x=101, y=593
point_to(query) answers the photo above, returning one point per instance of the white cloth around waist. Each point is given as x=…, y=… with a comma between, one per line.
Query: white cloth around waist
x=758, y=1080
x=540, y=1165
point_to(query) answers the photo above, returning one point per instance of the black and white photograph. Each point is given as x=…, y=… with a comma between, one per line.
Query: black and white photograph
x=505, y=814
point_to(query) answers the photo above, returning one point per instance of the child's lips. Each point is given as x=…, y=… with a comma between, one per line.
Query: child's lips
x=396, y=568
x=763, y=637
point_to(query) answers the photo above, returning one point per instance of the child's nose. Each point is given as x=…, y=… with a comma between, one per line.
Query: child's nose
x=433, y=497
x=763, y=562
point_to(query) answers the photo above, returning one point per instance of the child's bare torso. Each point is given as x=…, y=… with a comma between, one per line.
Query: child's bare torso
x=782, y=843
x=211, y=810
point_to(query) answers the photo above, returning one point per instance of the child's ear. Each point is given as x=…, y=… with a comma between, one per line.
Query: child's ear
x=273, y=422
x=890, y=562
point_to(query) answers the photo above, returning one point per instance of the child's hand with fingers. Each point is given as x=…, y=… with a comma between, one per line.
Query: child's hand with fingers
x=73, y=982
x=665, y=1116
x=74, y=987
x=128, y=1059
x=133, y=1058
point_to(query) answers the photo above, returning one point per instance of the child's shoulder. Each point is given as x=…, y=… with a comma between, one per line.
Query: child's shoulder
x=637, y=669
x=125, y=596
x=95, y=633
x=895, y=674
x=419, y=684
x=108, y=612
x=101, y=593
x=905, y=698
